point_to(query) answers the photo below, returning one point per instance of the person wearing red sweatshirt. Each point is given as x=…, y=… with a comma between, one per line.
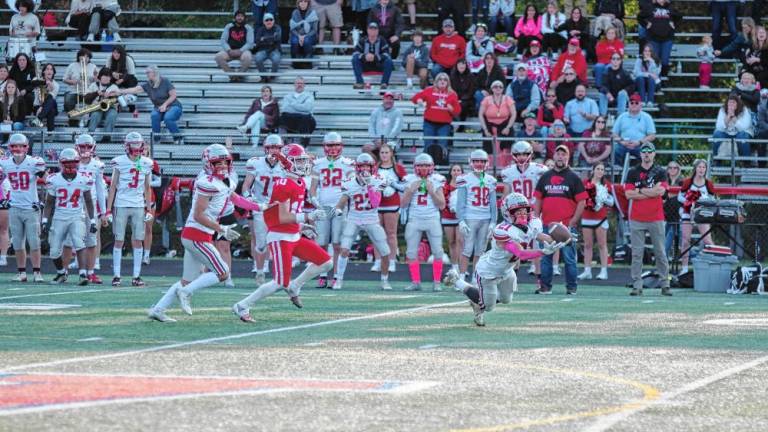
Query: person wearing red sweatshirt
x=572, y=58
x=441, y=105
x=605, y=48
x=447, y=49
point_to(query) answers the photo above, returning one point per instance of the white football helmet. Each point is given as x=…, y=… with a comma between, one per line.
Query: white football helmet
x=364, y=167
x=272, y=145
x=134, y=145
x=333, y=145
x=423, y=165
x=85, y=145
x=18, y=144
x=522, y=153
x=511, y=204
x=212, y=155
x=69, y=161
x=478, y=160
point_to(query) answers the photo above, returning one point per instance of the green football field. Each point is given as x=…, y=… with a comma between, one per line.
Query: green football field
x=360, y=359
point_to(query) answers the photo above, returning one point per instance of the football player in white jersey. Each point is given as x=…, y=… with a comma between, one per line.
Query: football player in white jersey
x=5, y=204
x=521, y=177
x=22, y=171
x=131, y=195
x=475, y=208
x=209, y=198
x=261, y=173
x=421, y=204
x=360, y=197
x=68, y=192
x=495, y=277
x=328, y=173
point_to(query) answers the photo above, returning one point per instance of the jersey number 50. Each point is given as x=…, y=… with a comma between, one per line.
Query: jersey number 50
x=19, y=180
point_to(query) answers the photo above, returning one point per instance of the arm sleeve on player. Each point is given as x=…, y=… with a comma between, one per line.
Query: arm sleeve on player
x=515, y=249
x=494, y=210
x=244, y=203
x=101, y=196
x=461, y=202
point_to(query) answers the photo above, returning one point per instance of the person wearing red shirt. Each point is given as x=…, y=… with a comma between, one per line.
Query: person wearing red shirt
x=594, y=220
x=645, y=187
x=605, y=49
x=441, y=106
x=558, y=137
x=447, y=48
x=572, y=58
x=560, y=197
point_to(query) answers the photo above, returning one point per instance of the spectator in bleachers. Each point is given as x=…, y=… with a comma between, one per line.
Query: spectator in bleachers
x=577, y=26
x=447, y=48
x=79, y=17
x=72, y=76
x=303, y=25
x=530, y=128
x=416, y=61
x=330, y=11
x=372, y=55
x=386, y=121
x=123, y=68
x=452, y=10
x=441, y=106
x=723, y=9
x=502, y=12
x=572, y=59
x=560, y=135
x=463, y=83
x=491, y=73
x=497, y=116
x=391, y=24
x=262, y=117
x=100, y=91
x=734, y=121
x=236, y=42
x=539, y=66
x=479, y=7
x=553, y=39
x=580, y=112
x=609, y=14
x=528, y=28
x=672, y=208
x=259, y=8
x=762, y=128
x=605, y=49
x=617, y=86
x=361, y=8
x=647, y=73
x=706, y=55
x=45, y=108
x=746, y=90
x=524, y=92
x=166, y=107
x=3, y=76
x=756, y=56
x=23, y=72
x=25, y=23
x=740, y=43
x=594, y=220
x=642, y=25
x=104, y=16
x=596, y=150
x=479, y=45
x=549, y=111
x=662, y=20
x=12, y=106
x=266, y=45
x=296, y=111
x=566, y=90
x=632, y=130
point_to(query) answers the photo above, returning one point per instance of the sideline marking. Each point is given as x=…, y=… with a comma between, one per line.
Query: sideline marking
x=228, y=337
x=37, y=306
x=58, y=293
x=608, y=422
x=742, y=322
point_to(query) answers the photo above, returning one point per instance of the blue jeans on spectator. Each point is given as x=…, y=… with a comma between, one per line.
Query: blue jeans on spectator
x=568, y=256
x=646, y=87
x=302, y=51
x=359, y=66
x=274, y=56
x=109, y=118
x=598, y=72
x=621, y=102
x=436, y=69
x=670, y=230
x=436, y=130
x=506, y=21
x=170, y=117
x=742, y=146
x=620, y=151
x=259, y=11
x=663, y=50
x=729, y=9
x=479, y=6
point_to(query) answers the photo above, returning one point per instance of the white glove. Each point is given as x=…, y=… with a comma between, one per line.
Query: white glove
x=388, y=191
x=308, y=231
x=551, y=247
x=464, y=228
x=317, y=214
x=148, y=217
x=337, y=212
x=229, y=233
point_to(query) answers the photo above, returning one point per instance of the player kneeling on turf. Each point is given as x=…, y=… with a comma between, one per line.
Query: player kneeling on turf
x=495, y=276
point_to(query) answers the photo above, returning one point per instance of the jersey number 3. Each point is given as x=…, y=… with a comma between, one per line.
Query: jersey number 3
x=134, y=183
x=482, y=196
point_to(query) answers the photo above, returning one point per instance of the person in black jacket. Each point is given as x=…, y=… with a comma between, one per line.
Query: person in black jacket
x=566, y=90
x=617, y=86
x=609, y=13
x=756, y=56
x=577, y=26
x=661, y=20
x=23, y=72
x=266, y=45
x=487, y=75
x=463, y=83
x=747, y=91
x=391, y=24
x=372, y=54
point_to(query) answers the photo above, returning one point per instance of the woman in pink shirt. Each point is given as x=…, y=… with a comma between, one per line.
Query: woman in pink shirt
x=528, y=28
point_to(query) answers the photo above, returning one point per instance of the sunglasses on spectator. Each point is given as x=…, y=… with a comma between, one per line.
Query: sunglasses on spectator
x=268, y=20
x=600, y=121
x=647, y=150
x=634, y=103
x=570, y=73
x=551, y=95
x=616, y=58
x=673, y=167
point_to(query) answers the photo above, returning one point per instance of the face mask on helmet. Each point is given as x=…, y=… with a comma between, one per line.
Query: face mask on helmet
x=332, y=149
x=70, y=167
x=364, y=171
x=479, y=165
x=271, y=150
x=521, y=216
x=134, y=149
x=85, y=150
x=18, y=149
x=302, y=165
x=424, y=170
x=219, y=167
x=522, y=158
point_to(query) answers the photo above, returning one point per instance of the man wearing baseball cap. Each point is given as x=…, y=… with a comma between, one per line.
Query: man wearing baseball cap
x=632, y=129
x=560, y=197
x=447, y=48
x=645, y=187
x=236, y=42
x=524, y=92
x=572, y=58
x=372, y=55
x=386, y=121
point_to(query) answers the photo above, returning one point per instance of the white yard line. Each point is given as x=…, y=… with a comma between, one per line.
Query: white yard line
x=224, y=338
x=607, y=422
x=59, y=293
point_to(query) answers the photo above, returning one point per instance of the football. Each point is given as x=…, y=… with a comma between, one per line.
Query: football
x=559, y=232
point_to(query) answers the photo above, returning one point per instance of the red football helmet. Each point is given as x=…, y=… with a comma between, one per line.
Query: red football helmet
x=18, y=144
x=134, y=145
x=272, y=145
x=332, y=144
x=295, y=160
x=423, y=165
x=212, y=155
x=510, y=206
x=85, y=146
x=522, y=153
x=365, y=167
x=69, y=161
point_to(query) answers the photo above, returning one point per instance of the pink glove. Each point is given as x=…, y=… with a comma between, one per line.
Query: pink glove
x=374, y=196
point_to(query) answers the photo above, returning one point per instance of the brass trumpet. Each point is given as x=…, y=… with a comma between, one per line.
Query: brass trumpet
x=103, y=105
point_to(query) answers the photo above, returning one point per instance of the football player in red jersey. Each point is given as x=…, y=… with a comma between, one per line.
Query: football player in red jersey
x=287, y=233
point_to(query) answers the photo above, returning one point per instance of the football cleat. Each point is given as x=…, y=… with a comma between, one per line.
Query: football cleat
x=137, y=282
x=585, y=275
x=183, y=297
x=450, y=278
x=243, y=313
x=543, y=290
x=636, y=292
x=116, y=281
x=336, y=284
x=59, y=279
x=296, y=300
x=95, y=279
x=260, y=278
x=83, y=280
x=322, y=282
x=385, y=286
x=21, y=277
x=413, y=287
x=145, y=260
x=376, y=267
x=159, y=315
x=479, y=319
x=37, y=277
x=436, y=287
x=392, y=266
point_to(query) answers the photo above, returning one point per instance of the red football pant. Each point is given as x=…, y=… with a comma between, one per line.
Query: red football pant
x=284, y=251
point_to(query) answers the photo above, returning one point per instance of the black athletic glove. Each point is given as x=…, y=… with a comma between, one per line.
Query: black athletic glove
x=93, y=228
x=5, y=204
x=43, y=227
x=38, y=206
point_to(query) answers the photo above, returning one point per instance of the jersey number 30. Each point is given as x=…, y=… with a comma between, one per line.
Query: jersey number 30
x=482, y=196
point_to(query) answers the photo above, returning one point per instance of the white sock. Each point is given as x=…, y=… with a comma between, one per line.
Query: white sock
x=203, y=281
x=309, y=272
x=384, y=277
x=341, y=266
x=168, y=298
x=588, y=269
x=117, y=255
x=455, y=267
x=462, y=284
x=89, y=272
x=137, y=254
x=97, y=263
x=264, y=290
x=146, y=253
